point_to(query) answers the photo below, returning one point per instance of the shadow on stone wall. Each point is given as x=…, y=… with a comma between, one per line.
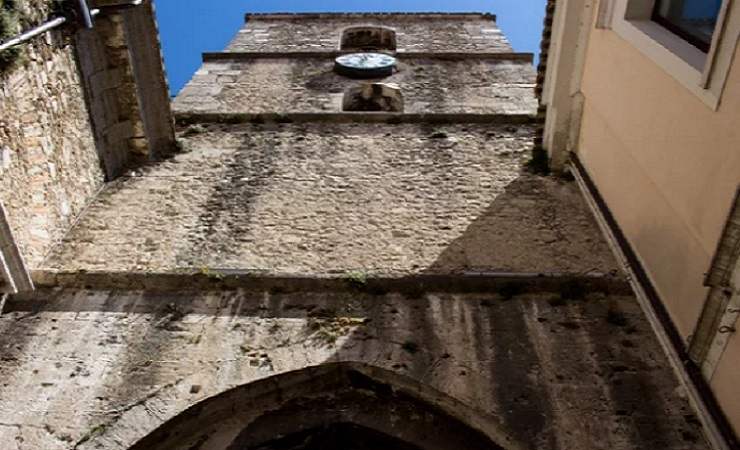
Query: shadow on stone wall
x=557, y=373
x=536, y=225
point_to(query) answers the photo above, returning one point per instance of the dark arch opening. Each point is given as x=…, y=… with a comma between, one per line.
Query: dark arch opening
x=342, y=406
x=336, y=436
x=368, y=38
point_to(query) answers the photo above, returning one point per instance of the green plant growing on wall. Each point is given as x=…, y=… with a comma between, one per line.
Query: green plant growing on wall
x=356, y=278
x=9, y=27
x=13, y=22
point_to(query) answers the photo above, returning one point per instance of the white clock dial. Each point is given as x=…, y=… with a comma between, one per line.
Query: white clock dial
x=365, y=65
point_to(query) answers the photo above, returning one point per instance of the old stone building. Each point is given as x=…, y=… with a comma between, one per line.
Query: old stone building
x=343, y=252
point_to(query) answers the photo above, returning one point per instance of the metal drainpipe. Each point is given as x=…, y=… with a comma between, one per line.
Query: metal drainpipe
x=87, y=15
x=21, y=38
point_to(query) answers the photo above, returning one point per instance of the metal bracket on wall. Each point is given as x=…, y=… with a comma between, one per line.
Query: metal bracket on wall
x=83, y=14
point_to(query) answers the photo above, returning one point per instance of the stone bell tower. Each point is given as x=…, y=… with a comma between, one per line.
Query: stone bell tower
x=348, y=253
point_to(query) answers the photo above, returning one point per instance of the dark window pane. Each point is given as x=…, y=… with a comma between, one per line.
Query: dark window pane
x=693, y=20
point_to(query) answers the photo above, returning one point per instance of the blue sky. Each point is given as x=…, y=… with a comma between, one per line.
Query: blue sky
x=191, y=27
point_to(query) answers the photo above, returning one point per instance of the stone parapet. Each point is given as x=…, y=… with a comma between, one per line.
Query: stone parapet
x=414, y=32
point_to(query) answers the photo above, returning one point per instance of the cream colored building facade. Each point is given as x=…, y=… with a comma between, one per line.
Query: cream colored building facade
x=649, y=124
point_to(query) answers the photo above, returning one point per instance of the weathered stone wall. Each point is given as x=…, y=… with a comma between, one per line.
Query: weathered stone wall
x=311, y=85
x=414, y=33
x=49, y=167
x=106, y=68
x=102, y=369
x=225, y=282
x=327, y=198
x=129, y=98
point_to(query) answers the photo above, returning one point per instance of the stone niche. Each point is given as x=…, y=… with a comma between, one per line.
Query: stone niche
x=368, y=38
x=382, y=97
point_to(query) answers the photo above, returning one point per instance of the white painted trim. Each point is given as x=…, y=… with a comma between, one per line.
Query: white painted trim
x=716, y=40
x=705, y=75
x=605, y=14
x=571, y=29
x=725, y=48
x=710, y=428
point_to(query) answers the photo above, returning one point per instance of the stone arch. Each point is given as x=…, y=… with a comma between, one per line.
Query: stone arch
x=368, y=38
x=333, y=402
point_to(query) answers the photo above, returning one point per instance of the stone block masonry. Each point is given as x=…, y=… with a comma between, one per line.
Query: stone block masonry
x=414, y=32
x=49, y=166
x=428, y=85
x=90, y=369
x=329, y=198
x=126, y=88
x=72, y=116
x=296, y=270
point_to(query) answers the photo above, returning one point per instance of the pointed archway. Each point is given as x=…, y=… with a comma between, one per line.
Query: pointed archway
x=335, y=406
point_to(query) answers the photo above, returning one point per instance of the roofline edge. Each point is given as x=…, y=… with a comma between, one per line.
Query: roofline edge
x=327, y=15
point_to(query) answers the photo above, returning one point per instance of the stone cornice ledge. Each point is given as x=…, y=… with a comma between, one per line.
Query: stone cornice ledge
x=237, y=56
x=186, y=118
x=255, y=280
x=365, y=15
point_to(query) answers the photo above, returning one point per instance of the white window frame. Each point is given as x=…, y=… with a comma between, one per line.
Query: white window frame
x=704, y=74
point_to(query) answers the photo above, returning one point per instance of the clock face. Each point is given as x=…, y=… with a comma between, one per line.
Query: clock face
x=365, y=65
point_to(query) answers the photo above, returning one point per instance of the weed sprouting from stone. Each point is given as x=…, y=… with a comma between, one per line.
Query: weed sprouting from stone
x=194, y=130
x=210, y=273
x=356, y=278
x=328, y=330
